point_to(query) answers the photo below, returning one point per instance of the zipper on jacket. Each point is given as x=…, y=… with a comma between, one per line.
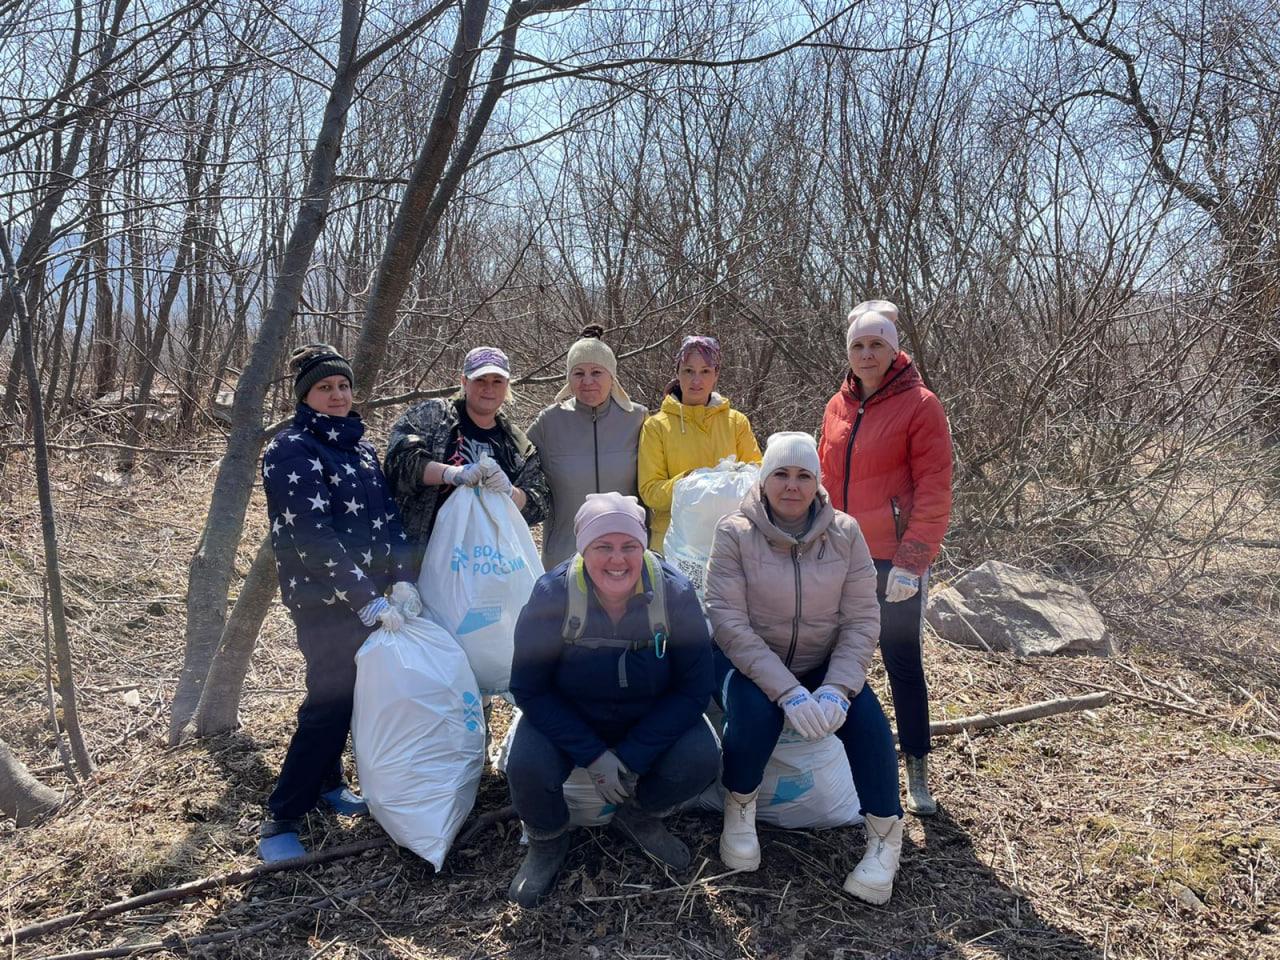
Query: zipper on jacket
x=795, y=621
x=848, y=452
x=595, y=449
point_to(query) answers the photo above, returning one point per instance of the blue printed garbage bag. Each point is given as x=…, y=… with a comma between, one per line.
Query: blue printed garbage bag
x=417, y=728
x=806, y=785
x=478, y=572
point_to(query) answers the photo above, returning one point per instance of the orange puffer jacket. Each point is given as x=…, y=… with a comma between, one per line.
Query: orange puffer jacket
x=886, y=460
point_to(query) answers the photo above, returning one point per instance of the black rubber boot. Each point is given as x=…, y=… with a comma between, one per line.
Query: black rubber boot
x=652, y=835
x=537, y=875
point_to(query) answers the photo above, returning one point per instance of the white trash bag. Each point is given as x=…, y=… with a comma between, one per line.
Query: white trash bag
x=417, y=729
x=700, y=500
x=586, y=808
x=806, y=785
x=479, y=569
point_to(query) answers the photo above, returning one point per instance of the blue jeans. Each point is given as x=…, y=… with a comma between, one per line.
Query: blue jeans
x=903, y=654
x=753, y=722
x=537, y=768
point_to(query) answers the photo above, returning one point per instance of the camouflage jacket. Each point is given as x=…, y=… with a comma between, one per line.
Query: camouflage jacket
x=421, y=436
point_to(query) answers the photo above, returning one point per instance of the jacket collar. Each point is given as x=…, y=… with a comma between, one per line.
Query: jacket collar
x=753, y=508
x=340, y=432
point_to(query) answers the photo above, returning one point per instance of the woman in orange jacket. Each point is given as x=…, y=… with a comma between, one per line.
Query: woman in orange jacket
x=886, y=460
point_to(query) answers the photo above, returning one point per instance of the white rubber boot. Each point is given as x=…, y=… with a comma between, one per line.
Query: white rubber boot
x=872, y=879
x=739, y=846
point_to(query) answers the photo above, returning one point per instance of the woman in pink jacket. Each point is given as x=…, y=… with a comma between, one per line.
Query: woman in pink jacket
x=791, y=593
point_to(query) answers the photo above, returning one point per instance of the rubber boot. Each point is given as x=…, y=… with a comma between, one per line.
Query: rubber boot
x=739, y=845
x=872, y=879
x=919, y=800
x=652, y=836
x=537, y=875
x=278, y=840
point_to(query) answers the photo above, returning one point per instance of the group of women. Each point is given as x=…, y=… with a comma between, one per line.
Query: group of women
x=615, y=657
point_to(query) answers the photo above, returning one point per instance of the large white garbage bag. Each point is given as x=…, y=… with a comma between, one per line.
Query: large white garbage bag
x=807, y=785
x=477, y=574
x=698, y=503
x=417, y=728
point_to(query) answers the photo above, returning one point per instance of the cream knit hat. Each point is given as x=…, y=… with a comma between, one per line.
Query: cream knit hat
x=591, y=349
x=790, y=449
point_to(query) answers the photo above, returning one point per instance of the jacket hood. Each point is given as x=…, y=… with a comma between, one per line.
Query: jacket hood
x=700, y=415
x=754, y=509
x=901, y=376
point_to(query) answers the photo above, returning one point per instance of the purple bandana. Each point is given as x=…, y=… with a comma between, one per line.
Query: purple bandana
x=709, y=347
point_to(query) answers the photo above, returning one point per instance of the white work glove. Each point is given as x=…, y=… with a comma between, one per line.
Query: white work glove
x=834, y=704
x=392, y=619
x=468, y=476
x=495, y=478
x=610, y=776
x=901, y=585
x=372, y=610
x=803, y=713
x=405, y=596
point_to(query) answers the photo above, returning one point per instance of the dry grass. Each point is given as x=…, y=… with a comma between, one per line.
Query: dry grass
x=1075, y=837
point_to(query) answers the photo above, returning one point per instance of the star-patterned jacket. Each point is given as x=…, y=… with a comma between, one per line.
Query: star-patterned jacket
x=334, y=526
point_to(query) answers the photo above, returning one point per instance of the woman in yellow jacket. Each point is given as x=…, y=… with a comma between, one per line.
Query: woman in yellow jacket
x=695, y=428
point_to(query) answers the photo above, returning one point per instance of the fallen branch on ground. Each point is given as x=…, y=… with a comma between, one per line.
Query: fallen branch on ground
x=486, y=820
x=174, y=942
x=1034, y=711
x=185, y=891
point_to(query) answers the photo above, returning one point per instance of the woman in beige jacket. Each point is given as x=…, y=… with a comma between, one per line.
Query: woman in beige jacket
x=791, y=592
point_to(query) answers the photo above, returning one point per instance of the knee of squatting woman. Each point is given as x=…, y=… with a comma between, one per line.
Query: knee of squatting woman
x=612, y=669
x=791, y=593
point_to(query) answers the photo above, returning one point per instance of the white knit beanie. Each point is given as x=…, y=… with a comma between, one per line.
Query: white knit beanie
x=591, y=349
x=883, y=323
x=790, y=449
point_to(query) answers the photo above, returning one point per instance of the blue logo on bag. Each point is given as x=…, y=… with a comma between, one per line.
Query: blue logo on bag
x=478, y=618
x=472, y=711
x=792, y=788
x=458, y=562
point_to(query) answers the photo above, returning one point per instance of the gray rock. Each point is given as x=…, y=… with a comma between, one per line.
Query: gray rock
x=1007, y=609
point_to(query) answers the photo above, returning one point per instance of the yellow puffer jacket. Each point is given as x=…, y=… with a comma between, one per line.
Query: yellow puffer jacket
x=680, y=438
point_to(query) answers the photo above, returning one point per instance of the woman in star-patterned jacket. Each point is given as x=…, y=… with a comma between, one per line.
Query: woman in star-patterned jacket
x=339, y=547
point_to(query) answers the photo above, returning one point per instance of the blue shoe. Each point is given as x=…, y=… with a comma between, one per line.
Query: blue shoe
x=281, y=846
x=345, y=801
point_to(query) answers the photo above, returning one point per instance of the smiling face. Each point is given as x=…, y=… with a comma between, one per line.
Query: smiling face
x=870, y=358
x=590, y=384
x=790, y=491
x=332, y=395
x=697, y=379
x=613, y=563
x=484, y=396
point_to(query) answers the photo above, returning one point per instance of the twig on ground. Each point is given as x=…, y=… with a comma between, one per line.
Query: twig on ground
x=501, y=815
x=1034, y=711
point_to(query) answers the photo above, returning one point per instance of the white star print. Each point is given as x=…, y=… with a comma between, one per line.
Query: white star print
x=293, y=583
x=319, y=503
x=292, y=477
x=357, y=573
x=377, y=523
x=272, y=445
x=332, y=434
x=316, y=465
x=335, y=479
x=267, y=468
x=275, y=526
x=368, y=558
x=354, y=506
x=295, y=436
x=330, y=601
x=330, y=562
x=349, y=468
x=288, y=517
x=340, y=595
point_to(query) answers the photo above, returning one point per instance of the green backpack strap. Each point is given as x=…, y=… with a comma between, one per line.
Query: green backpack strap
x=575, y=608
x=658, y=622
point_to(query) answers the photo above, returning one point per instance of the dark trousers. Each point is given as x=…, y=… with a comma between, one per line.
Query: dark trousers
x=753, y=722
x=313, y=762
x=537, y=768
x=901, y=647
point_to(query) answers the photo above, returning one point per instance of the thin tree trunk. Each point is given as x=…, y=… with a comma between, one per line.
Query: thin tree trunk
x=219, y=709
x=209, y=575
x=48, y=524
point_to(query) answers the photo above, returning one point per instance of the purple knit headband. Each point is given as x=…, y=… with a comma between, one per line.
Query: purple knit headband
x=709, y=347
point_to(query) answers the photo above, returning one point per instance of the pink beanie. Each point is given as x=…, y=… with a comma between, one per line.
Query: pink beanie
x=605, y=513
x=873, y=318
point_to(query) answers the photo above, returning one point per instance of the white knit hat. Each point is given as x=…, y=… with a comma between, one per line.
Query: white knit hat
x=873, y=318
x=790, y=449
